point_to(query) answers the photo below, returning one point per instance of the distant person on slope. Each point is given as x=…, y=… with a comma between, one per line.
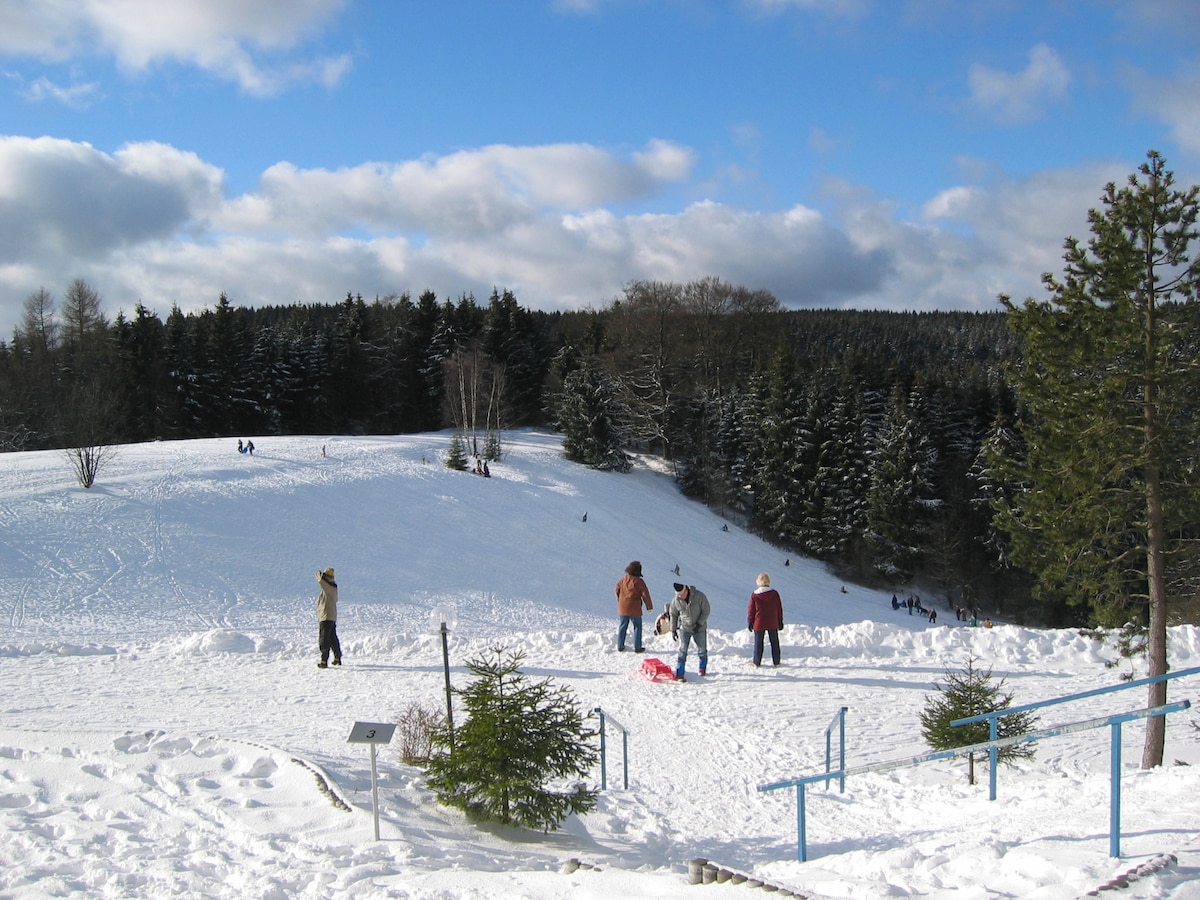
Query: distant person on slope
x=327, y=619
x=689, y=614
x=765, y=617
x=632, y=595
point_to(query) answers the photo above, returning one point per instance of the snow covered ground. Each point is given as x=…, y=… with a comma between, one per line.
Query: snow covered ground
x=165, y=731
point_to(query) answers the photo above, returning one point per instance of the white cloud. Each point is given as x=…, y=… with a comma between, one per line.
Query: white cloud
x=849, y=8
x=150, y=223
x=1002, y=235
x=224, y=37
x=1021, y=97
x=471, y=192
x=76, y=96
x=62, y=201
x=1174, y=101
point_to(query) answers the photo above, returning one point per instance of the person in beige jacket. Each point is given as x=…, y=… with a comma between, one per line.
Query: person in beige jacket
x=327, y=620
x=632, y=595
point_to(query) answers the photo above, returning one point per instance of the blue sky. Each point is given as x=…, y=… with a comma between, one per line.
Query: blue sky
x=906, y=154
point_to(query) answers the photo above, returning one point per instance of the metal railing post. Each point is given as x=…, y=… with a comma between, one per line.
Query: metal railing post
x=1114, y=799
x=1057, y=731
x=840, y=720
x=603, y=753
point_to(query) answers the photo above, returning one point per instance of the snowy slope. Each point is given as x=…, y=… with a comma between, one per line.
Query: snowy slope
x=165, y=731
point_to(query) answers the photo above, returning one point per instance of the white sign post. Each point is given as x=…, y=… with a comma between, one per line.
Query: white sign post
x=372, y=733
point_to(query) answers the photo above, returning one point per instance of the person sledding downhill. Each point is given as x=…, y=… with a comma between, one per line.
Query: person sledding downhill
x=689, y=615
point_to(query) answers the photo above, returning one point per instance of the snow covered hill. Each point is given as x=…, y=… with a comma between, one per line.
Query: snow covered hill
x=165, y=731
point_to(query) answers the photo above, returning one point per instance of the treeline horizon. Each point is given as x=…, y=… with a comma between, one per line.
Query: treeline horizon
x=851, y=436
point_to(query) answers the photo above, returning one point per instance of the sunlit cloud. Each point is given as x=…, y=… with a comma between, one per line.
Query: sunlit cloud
x=1018, y=98
x=246, y=43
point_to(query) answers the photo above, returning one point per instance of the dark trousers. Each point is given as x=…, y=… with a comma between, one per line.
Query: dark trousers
x=773, y=634
x=329, y=641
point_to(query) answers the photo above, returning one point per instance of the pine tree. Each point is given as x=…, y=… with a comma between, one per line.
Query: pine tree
x=972, y=692
x=456, y=456
x=520, y=737
x=593, y=421
x=775, y=422
x=1108, y=381
x=901, y=493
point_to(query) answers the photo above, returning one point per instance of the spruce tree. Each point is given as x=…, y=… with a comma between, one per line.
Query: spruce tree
x=901, y=493
x=456, y=456
x=520, y=739
x=973, y=692
x=593, y=421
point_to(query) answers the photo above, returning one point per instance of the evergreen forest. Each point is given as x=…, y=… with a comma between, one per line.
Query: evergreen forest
x=854, y=437
x=859, y=438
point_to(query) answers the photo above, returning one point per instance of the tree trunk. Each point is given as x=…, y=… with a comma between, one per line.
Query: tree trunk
x=1156, y=537
x=1156, y=639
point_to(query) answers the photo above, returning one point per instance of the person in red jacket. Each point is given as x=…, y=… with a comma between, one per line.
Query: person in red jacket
x=765, y=616
x=632, y=594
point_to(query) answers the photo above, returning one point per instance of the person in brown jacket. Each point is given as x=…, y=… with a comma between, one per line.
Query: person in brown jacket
x=632, y=595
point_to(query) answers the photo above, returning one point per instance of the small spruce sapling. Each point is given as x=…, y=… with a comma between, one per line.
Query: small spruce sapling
x=456, y=456
x=521, y=739
x=973, y=692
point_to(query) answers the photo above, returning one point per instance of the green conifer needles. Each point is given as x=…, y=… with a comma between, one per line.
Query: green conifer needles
x=521, y=753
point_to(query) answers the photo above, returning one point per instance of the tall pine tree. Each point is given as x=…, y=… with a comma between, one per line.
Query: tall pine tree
x=901, y=493
x=1109, y=386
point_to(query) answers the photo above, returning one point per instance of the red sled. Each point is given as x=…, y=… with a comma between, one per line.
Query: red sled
x=657, y=670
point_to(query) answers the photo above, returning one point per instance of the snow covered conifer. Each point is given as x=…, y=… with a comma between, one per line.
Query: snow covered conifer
x=520, y=739
x=456, y=456
x=593, y=420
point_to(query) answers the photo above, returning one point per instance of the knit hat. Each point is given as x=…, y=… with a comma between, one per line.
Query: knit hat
x=328, y=573
x=634, y=568
x=678, y=587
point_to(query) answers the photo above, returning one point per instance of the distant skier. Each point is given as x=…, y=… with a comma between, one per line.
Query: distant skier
x=585, y=517
x=689, y=614
x=632, y=595
x=765, y=617
x=250, y=447
x=241, y=446
x=327, y=636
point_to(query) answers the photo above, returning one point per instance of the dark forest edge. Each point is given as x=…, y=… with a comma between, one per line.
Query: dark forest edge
x=859, y=438
x=787, y=421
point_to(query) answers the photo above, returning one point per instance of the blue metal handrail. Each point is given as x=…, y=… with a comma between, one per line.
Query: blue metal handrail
x=993, y=717
x=839, y=719
x=604, y=749
x=1115, y=798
